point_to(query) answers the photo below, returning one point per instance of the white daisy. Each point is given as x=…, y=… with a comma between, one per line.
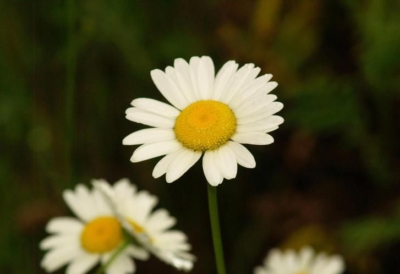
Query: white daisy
x=150, y=228
x=93, y=238
x=303, y=262
x=210, y=114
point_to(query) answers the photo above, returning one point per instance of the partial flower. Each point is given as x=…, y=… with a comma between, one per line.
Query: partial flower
x=151, y=228
x=306, y=261
x=210, y=115
x=92, y=238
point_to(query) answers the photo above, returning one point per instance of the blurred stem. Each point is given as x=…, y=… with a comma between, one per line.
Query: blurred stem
x=215, y=228
x=112, y=258
x=70, y=84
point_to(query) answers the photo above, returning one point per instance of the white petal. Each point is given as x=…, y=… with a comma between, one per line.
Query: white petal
x=172, y=236
x=260, y=270
x=319, y=264
x=64, y=225
x=226, y=162
x=58, y=257
x=121, y=265
x=148, y=151
x=168, y=89
x=261, y=113
x=255, y=92
x=250, y=78
x=80, y=202
x=138, y=209
x=274, y=108
x=172, y=74
x=137, y=252
x=251, y=91
x=258, y=106
x=238, y=81
x=182, y=72
x=271, y=86
x=262, y=126
x=222, y=79
x=205, y=77
x=194, y=66
x=102, y=207
x=181, y=164
x=59, y=241
x=245, y=85
x=82, y=263
x=274, y=261
x=254, y=138
x=162, y=166
x=149, y=118
x=210, y=169
x=290, y=261
x=149, y=135
x=334, y=265
x=159, y=220
x=172, y=240
x=270, y=129
x=306, y=255
x=155, y=106
x=243, y=155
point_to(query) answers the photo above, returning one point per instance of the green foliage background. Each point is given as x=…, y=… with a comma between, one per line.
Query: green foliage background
x=331, y=179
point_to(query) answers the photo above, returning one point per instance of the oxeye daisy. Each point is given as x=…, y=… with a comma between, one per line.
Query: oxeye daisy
x=210, y=115
x=306, y=261
x=135, y=210
x=92, y=238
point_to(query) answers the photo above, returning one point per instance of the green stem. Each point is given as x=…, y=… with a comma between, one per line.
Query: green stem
x=70, y=84
x=112, y=258
x=215, y=228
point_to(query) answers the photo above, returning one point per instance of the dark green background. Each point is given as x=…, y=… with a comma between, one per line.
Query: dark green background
x=331, y=179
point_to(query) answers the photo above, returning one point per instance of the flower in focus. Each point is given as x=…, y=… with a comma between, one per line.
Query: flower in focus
x=150, y=228
x=210, y=114
x=93, y=237
x=306, y=261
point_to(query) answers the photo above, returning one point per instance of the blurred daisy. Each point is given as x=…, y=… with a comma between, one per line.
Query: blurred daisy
x=210, y=114
x=306, y=261
x=94, y=237
x=150, y=228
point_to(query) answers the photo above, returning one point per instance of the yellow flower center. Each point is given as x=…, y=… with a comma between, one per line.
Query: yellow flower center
x=302, y=272
x=101, y=235
x=205, y=125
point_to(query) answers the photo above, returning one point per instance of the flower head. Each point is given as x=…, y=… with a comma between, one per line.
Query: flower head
x=151, y=229
x=93, y=237
x=303, y=262
x=210, y=115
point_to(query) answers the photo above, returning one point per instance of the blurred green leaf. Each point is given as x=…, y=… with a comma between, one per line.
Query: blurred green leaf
x=365, y=235
x=324, y=105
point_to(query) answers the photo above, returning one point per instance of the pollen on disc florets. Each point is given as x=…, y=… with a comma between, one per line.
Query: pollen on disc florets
x=205, y=125
x=101, y=235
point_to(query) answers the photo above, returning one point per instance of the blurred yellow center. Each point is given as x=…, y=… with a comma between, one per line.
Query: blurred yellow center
x=101, y=235
x=205, y=125
x=302, y=272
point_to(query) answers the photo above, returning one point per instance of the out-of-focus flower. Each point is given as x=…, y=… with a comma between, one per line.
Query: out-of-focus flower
x=150, y=228
x=93, y=237
x=210, y=114
x=306, y=261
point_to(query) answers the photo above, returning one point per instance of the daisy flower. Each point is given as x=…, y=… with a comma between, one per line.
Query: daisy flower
x=210, y=115
x=93, y=237
x=306, y=261
x=135, y=210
